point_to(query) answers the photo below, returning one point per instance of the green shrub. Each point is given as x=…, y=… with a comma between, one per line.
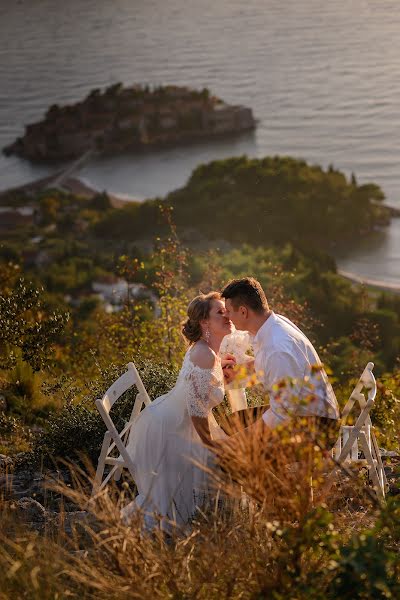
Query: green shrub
x=77, y=429
x=23, y=387
x=386, y=412
x=14, y=436
x=368, y=566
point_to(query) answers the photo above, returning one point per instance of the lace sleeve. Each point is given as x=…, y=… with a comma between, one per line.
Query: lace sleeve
x=202, y=384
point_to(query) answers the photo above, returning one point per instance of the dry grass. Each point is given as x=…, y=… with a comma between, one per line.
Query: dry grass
x=280, y=543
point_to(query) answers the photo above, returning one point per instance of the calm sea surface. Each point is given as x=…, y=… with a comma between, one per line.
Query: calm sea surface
x=323, y=78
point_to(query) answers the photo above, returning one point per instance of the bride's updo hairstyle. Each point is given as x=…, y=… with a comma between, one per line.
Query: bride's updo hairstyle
x=198, y=310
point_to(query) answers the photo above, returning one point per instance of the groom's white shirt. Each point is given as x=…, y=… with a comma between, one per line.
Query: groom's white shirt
x=283, y=353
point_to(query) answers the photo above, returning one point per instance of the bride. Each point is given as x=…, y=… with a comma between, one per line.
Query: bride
x=172, y=439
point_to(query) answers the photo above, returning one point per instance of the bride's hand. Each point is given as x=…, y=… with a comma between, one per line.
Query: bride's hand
x=228, y=364
x=228, y=360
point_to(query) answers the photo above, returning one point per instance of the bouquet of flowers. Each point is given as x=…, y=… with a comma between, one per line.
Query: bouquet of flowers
x=237, y=343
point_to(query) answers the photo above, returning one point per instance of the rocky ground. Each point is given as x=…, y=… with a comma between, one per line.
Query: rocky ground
x=29, y=494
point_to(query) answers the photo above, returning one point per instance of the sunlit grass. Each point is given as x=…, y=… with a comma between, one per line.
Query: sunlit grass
x=268, y=529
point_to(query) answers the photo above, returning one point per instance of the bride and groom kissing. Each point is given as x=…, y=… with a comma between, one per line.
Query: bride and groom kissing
x=174, y=441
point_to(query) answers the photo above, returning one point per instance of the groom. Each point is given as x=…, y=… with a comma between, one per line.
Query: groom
x=285, y=361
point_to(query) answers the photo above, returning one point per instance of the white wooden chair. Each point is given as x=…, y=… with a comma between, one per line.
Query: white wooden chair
x=361, y=435
x=114, y=441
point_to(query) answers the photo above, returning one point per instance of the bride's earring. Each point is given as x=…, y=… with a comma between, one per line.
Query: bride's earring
x=207, y=335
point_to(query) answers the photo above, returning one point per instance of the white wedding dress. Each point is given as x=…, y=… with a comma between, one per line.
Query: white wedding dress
x=166, y=450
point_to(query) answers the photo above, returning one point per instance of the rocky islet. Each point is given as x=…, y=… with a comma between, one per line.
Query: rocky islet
x=121, y=119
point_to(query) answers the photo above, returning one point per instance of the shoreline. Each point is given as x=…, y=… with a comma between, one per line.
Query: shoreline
x=394, y=211
x=382, y=285
x=72, y=185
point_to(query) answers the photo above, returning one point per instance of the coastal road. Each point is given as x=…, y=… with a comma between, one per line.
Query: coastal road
x=70, y=170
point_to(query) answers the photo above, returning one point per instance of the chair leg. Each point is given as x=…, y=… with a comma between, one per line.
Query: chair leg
x=311, y=491
x=337, y=449
x=381, y=470
x=342, y=451
x=110, y=474
x=373, y=471
x=125, y=439
x=101, y=463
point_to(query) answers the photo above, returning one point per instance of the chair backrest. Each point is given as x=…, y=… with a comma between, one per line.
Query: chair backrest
x=367, y=381
x=104, y=405
x=120, y=386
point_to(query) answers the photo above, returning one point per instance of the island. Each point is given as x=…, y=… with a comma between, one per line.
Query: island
x=121, y=119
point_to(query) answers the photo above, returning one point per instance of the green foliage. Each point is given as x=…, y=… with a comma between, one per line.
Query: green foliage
x=158, y=337
x=77, y=429
x=313, y=560
x=8, y=424
x=273, y=200
x=25, y=328
x=8, y=253
x=24, y=383
x=70, y=275
x=386, y=411
x=100, y=202
x=49, y=207
x=276, y=199
x=304, y=557
x=275, y=211
x=295, y=204
x=364, y=571
x=14, y=436
x=71, y=432
x=368, y=566
x=133, y=221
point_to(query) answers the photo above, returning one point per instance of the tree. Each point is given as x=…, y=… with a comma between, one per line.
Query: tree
x=100, y=202
x=27, y=330
x=157, y=336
